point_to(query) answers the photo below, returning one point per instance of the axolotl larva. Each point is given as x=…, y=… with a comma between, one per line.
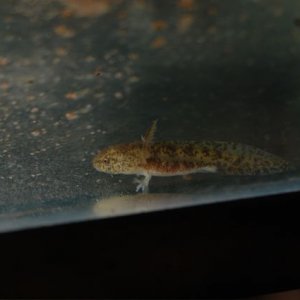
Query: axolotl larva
x=148, y=158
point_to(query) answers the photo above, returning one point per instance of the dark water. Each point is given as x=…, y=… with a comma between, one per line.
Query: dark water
x=75, y=79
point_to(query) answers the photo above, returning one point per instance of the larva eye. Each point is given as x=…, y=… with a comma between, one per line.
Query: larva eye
x=106, y=161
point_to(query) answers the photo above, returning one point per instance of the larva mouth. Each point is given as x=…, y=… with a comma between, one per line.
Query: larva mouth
x=96, y=162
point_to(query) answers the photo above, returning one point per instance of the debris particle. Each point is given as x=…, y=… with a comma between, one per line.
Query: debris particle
x=71, y=115
x=61, y=51
x=89, y=59
x=85, y=109
x=118, y=95
x=133, y=56
x=56, y=60
x=159, y=25
x=34, y=110
x=133, y=79
x=66, y=13
x=31, y=98
x=184, y=23
x=30, y=81
x=71, y=96
x=98, y=71
x=118, y=75
x=4, y=85
x=185, y=4
x=4, y=61
x=87, y=8
x=159, y=42
x=64, y=31
x=36, y=133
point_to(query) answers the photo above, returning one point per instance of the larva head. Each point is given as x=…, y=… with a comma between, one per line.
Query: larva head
x=119, y=159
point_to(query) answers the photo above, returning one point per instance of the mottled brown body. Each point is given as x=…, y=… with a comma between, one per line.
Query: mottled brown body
x=228, y=158
x=175, y=158
x=181, y=158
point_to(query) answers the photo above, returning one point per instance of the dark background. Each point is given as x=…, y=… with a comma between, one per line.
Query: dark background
x=229, y=250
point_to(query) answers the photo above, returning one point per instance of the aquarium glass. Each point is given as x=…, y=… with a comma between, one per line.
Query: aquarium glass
x=79, y=76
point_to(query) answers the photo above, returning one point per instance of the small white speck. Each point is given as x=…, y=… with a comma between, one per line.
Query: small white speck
x=36, y=133
x=34, y=110
x=118, y=75
x=133, y=79
x=118, y=95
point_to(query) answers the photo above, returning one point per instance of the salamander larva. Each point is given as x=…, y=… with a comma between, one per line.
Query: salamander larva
x=170, y=158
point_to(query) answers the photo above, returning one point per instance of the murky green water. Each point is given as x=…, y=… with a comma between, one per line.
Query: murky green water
x=76, y=78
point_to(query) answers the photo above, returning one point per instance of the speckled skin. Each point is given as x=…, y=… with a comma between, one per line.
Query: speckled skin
x=179, y=158
x=182, y=158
